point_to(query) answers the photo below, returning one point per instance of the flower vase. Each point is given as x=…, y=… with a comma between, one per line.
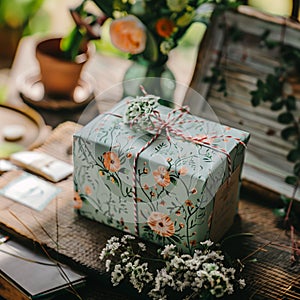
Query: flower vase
x=156, y=79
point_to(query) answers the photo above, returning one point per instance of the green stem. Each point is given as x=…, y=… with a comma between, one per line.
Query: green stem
x=73, y=44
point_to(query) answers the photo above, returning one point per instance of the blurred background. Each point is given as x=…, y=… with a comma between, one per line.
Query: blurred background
x=19, y=18
x=28, y=17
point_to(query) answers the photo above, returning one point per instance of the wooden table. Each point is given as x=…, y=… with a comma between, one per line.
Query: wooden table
x=80, y=240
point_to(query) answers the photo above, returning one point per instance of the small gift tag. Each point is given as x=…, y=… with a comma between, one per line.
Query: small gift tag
x=31, y=191
x=42, y=164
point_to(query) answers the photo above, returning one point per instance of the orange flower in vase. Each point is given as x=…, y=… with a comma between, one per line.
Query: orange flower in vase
x=164, y=27
x=128, y=34
x=148, y=31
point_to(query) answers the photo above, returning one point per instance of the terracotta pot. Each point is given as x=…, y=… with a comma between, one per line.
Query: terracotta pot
x=60, y=77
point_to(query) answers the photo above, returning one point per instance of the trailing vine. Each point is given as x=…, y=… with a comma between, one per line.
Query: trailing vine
x=273, y=91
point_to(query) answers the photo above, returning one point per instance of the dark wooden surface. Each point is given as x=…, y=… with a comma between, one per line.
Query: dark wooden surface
x=80, y=240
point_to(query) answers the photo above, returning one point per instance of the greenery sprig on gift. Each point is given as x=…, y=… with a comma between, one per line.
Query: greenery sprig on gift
x=139, y=110
x=207, y=274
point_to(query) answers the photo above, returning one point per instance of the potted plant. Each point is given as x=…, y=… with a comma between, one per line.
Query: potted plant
x=14, y=18
x=148, y=31
x=61, y=60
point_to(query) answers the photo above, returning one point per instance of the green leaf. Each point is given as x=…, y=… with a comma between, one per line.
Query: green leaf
x=285, y=118
x=70, y=44
x=279, y=212
x=151, y=51
x=293, y=155
x=255, y=100
x=173, y=180
x=286, y=200
x=277, y=105
x=291, y=103
x=297, y=169
x=292, y=180
x=260, y=84
x=289, y=132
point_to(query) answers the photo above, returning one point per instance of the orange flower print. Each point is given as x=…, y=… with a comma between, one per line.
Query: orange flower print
x=189, y=203
x=164, y=27
x=161, y=224
x=152, y=194
x=194, y=191
x=111, y=161
x=193, y=243
x=161, y=176
x=146, y=187
x=162, y=203
x=178, y=213
x=129, y=155
x=183, y=171
x=128, y=34
x=77, y=201
x=88, y=190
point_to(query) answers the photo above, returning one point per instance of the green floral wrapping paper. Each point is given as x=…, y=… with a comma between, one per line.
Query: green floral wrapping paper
x=176, y=180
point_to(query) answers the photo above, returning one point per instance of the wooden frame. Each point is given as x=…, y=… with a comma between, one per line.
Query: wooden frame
x=242, y=63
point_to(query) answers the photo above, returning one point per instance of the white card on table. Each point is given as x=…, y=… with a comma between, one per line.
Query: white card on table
x=31, y=191
x=42, y=164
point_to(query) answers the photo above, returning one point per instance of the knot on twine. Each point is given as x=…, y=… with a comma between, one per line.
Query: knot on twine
x=142, y=115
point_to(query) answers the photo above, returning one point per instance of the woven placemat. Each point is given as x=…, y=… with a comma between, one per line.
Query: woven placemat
x=79, y=240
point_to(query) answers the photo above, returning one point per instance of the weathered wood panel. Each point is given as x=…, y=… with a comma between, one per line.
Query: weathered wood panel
x=242, y=62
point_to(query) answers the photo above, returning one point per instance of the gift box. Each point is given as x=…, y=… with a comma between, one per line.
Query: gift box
x=161, y=174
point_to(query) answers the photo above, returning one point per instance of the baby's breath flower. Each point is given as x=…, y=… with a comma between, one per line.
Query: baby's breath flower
x=204, y=272
x=242, y=283
x=117, y=275
x=142, y=247
x=168, y=251
x=207, y=243
x=126, y=238
x=107, y=265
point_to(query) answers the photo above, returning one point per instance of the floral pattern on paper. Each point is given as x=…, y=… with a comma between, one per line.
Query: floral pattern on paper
x=161, y=176
x=111, y=161
x=175, y=180
x=161, y=224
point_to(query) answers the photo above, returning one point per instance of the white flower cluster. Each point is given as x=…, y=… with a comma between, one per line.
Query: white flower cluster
x=202, y=274
x=129, y=263
x=139, y=110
